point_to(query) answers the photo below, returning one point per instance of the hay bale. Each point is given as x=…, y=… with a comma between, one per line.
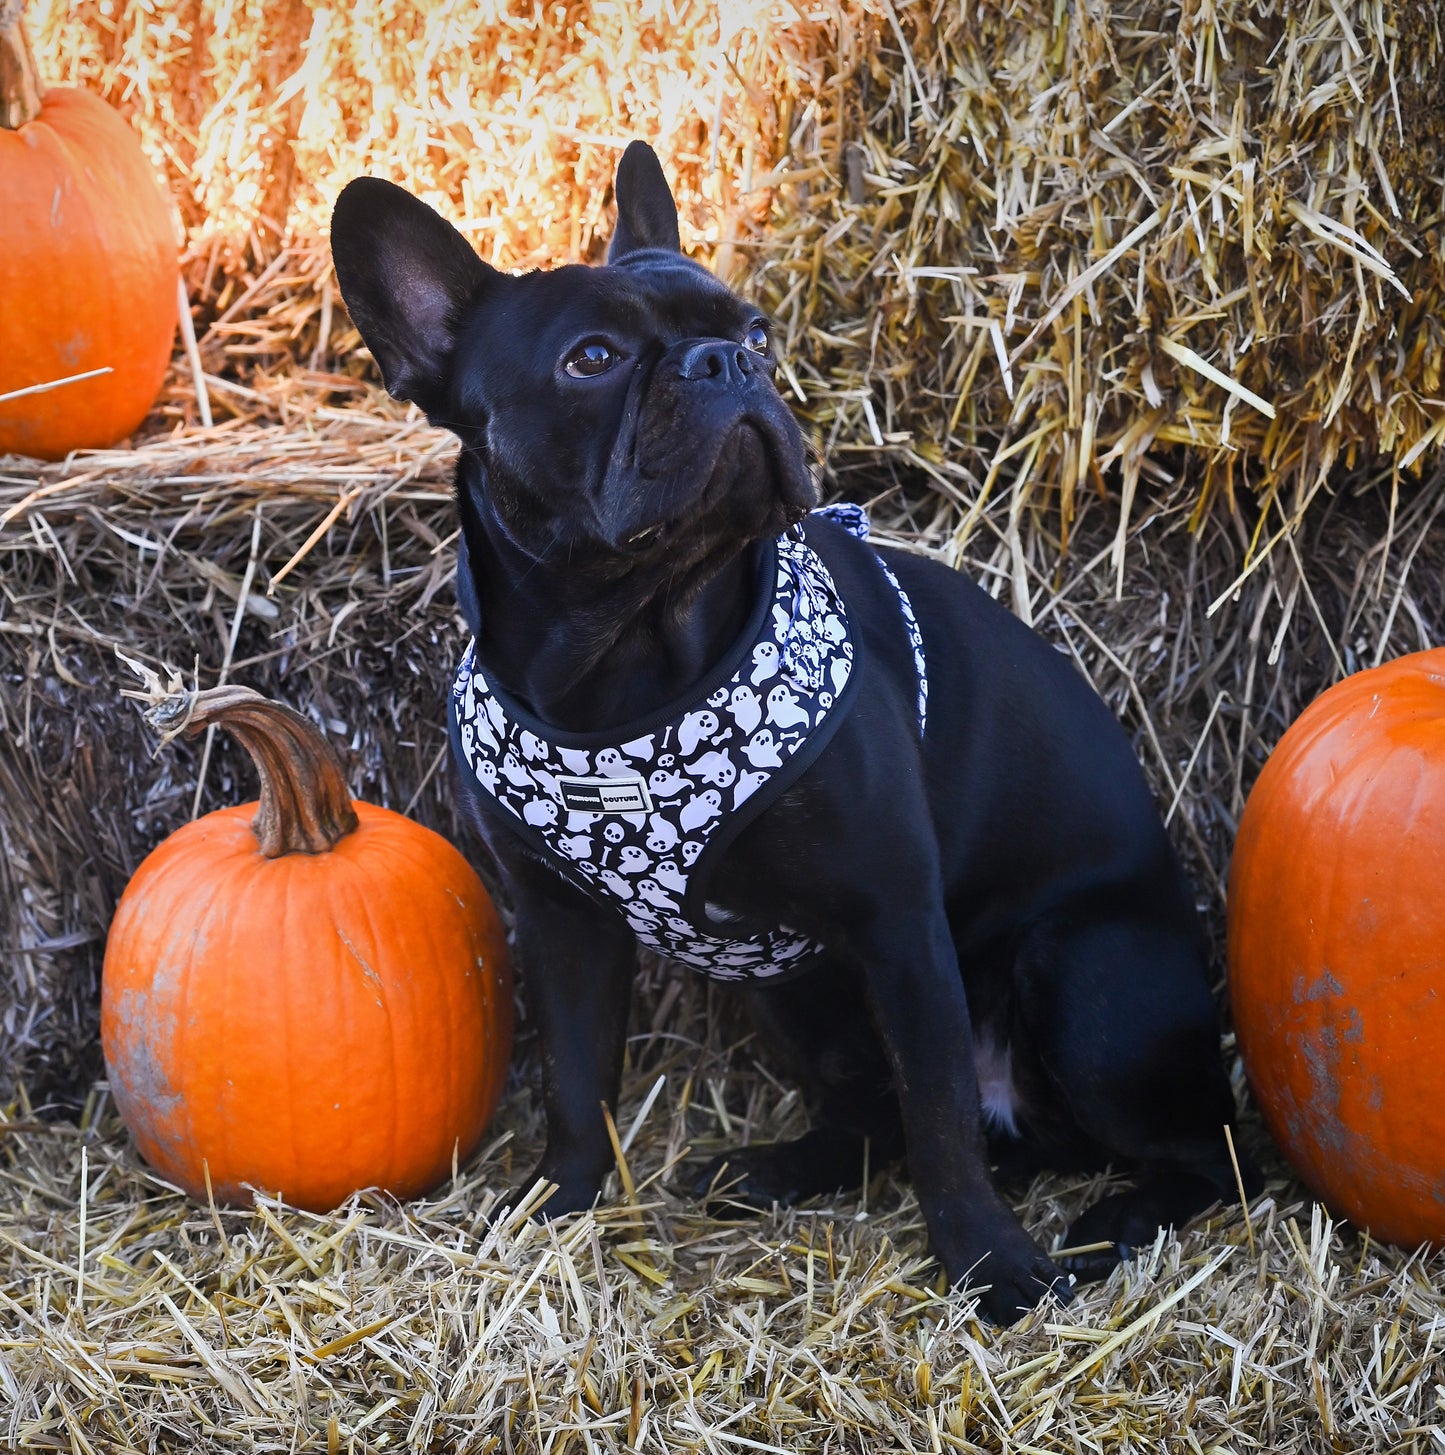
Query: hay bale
x=1052, y=240
x=1026, y=242
x=178, y=550
x=309, y=551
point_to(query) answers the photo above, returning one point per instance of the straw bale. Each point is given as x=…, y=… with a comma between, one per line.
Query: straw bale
x=1042, y=243
x=307, y=548
x=151, y=549
x=1064, y=240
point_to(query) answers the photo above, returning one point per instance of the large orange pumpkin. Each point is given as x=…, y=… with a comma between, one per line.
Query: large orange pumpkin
x=1337, y=947
x=88, y=266
x=306, y=995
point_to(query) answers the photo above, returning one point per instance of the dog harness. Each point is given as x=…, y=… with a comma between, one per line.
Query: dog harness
x=636, y=816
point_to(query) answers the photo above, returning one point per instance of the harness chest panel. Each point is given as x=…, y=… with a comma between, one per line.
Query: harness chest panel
x=637, y=817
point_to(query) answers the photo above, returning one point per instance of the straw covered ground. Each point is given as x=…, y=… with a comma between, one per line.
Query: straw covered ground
x=1005, y=245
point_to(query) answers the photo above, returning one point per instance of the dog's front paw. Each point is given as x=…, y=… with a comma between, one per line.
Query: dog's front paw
x=1015, y=1288
x=1118, y=1224
x=1019, y=1275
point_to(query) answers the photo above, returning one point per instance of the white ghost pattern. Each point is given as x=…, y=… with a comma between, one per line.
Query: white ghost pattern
x=762, y=751
x=574, y=760
x=665, y=784
x=746, y=710
x=668, y=875
x=616, y=884
x=515, y=773
x=715, y=768
x=748, y=785
x=695, y=727
x=783, y=708
x=654, y=893
x=766, y=659
x=698, y=809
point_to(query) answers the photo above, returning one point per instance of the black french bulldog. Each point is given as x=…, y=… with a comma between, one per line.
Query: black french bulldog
x=695, y=716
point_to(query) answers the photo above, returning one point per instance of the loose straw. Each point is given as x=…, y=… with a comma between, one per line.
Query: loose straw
x=50, y=384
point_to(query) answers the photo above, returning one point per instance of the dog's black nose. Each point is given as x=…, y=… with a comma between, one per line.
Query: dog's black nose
x=719, y=359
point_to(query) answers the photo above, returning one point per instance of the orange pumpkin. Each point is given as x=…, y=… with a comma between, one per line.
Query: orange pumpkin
x=1337, y=947
x=88, y=266
x=306, y=995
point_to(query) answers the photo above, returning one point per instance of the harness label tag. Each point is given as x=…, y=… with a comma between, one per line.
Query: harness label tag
x=605, y=795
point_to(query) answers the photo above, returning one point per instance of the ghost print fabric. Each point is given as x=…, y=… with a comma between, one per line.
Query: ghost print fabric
x=631, y=820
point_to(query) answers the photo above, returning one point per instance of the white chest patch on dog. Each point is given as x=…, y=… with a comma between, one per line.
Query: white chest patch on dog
x=998, y=1096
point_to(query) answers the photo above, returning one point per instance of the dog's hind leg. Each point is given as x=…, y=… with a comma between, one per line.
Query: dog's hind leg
x=1121, y=1018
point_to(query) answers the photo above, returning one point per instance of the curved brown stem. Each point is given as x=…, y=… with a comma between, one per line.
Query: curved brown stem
x=305, y=803
x=19, y=80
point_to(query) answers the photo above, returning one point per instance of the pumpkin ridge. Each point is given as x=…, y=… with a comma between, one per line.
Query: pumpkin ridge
x=397, y=1079
x=181, y=1036
x=422, y=940
x=216, y=1056
x=465, y=1013
x=262, y=896
x=235, y=902
x=154, y=1080
x=422, y=860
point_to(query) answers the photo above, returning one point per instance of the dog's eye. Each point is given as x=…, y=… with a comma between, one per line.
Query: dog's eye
x=590, y=359
x=756, y=338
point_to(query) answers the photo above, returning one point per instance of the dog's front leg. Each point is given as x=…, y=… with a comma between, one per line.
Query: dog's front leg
x=918, y=1003
x=577, y=966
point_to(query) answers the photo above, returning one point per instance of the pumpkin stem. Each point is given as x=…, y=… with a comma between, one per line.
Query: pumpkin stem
x=305, y=803
x=19, y=80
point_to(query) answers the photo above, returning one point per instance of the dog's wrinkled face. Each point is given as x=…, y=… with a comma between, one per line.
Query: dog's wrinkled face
x=618, y=414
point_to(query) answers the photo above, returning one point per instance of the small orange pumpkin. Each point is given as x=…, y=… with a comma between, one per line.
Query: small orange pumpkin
x=1337, y=947
x=88, y=266
x=307, y=995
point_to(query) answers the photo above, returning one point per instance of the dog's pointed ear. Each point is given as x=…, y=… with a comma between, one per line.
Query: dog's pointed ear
x=407, y=275
x=646, y=213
